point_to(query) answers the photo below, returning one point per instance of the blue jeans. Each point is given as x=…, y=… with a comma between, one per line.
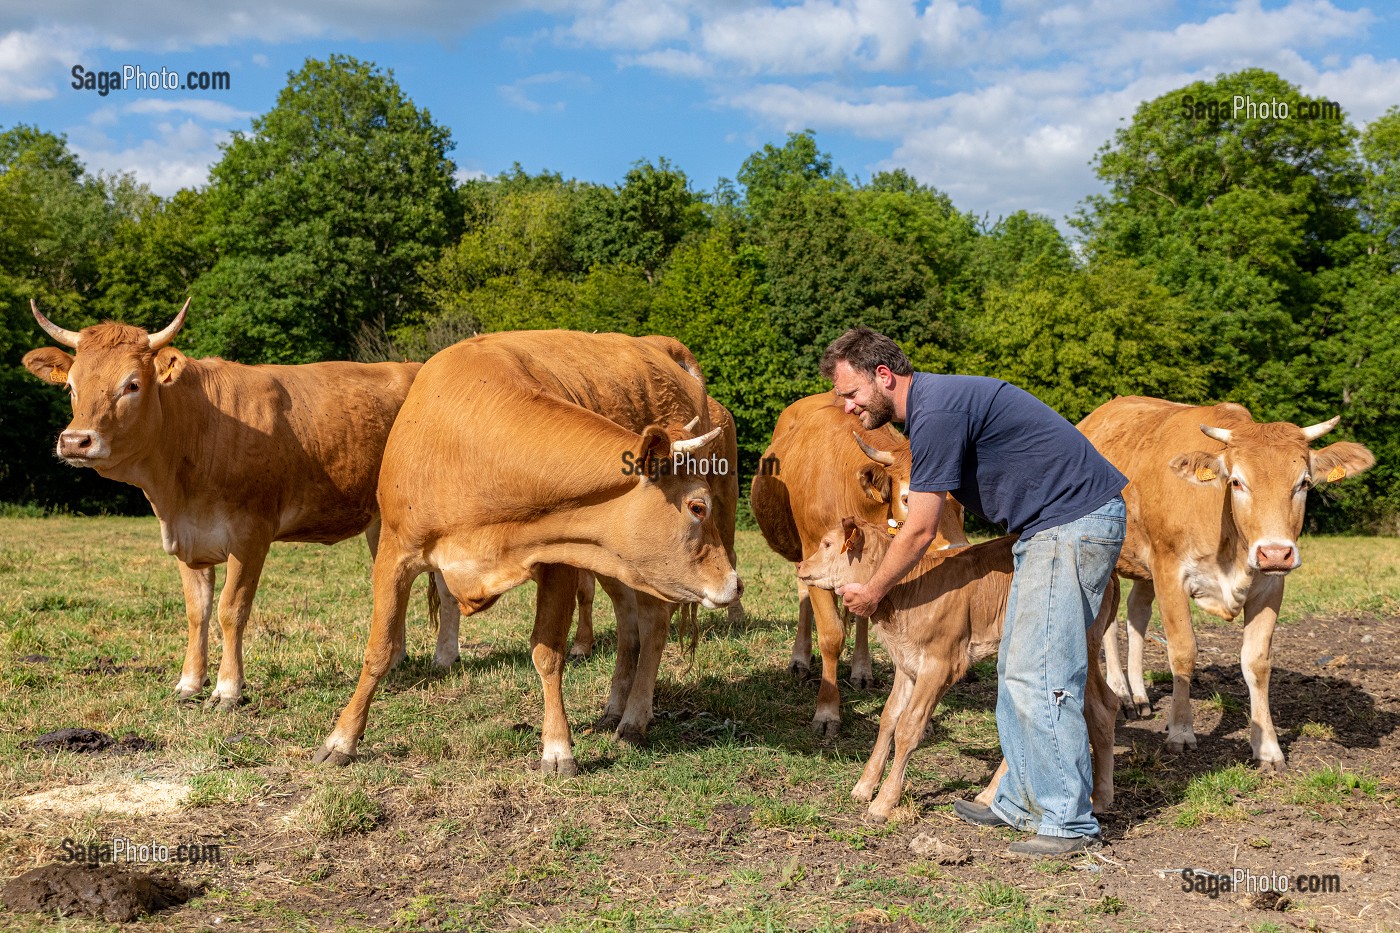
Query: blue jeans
x=1057, y=588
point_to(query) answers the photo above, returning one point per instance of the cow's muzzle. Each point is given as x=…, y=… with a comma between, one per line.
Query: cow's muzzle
x=1276, y=557
x=731, y=591
x=80, y=448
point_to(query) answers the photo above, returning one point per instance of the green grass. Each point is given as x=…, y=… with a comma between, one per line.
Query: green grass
x=734, y=796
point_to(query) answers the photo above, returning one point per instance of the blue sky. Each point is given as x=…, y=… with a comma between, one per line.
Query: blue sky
x=1002, y=105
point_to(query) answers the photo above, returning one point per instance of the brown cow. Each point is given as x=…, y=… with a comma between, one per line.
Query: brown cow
x=1215, y=504
x=532, y=455
x=944, y=616
x=813, y=474
x=231, y=458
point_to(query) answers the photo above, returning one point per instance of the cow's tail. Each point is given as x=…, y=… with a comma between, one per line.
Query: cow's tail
x=434, y=603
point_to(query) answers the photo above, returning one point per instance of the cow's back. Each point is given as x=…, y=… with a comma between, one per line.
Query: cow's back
x=479, y=406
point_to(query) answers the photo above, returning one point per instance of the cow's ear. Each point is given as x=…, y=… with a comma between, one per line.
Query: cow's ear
x=1199, y=467
x=1340, y=460
x=49, y=364
x=170, y=363
x=854, y=538
x=655, y=446
x=875, y=481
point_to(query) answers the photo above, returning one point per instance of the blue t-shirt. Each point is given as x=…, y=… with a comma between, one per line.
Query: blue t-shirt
x=1003, y=453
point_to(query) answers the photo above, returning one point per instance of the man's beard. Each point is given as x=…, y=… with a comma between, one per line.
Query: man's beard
x=878, y=413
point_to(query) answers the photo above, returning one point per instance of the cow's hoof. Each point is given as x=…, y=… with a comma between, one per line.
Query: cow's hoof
x=863, y=794
x=1274, y=766
x=607, y=723
x=863, y=681
x=580, y=652
x=1176, y=744
x=1143, y=708
x=325, y=755
x=826, y=728
x=800, y=671
x=187, y=699
x=631, y=735
x=875, y=818
x=220, y=704
x=563, y=767
x=444, y=662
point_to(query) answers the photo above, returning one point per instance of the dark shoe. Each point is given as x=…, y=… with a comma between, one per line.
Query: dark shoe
x=977, y=814
x=1045, y=846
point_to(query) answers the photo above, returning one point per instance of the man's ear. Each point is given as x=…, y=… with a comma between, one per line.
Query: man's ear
x=875, y=481
x=170, y=363
x=49, y=363
x=1199, y=467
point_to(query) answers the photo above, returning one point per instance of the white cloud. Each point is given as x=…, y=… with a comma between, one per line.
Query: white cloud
x=673, y=62
x=211, y=110
x=26, y=57
x=179, y=155
x=631, y=24
x=518, y=94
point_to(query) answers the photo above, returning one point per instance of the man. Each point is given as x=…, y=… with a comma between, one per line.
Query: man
x=1011, y=459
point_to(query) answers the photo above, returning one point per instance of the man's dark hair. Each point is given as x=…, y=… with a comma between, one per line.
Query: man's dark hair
x=865, y=349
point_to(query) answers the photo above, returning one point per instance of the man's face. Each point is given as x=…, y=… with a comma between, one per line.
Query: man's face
x=863, y=396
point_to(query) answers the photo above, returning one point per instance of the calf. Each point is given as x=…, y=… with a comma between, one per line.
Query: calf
x=940, y=619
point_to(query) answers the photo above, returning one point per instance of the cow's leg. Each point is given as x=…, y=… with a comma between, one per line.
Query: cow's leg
x=1139, y=614
x=394, y=573
x=235, y=603
x=199, y=606
x=831, y=637
x=624, y=600
x=653, y=622
x=1101, y=705
x=372, y=539
x=801, y=664
x=989, y=793
x=932, y=681
x=862, y=674
x=1181, y=652
x=1117, y=679
x=554, y=611
x=900, y=692
x=448, y=648
x=583, y=635
x=1261, y=607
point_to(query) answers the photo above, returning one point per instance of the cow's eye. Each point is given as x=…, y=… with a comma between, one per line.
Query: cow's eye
x=132, y=387
x=1236, y=484
x=698, y=508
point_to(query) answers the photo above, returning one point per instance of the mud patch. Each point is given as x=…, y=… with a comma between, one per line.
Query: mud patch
x=90, y=741
x=143, y=798
x=117, y=895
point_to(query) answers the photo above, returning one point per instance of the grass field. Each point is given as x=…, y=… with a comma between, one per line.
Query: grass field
x=735, y=817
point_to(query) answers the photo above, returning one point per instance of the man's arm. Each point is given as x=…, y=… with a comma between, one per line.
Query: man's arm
x=925, y=509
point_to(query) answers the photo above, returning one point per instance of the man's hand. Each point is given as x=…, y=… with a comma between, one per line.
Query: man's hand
x=859, y=598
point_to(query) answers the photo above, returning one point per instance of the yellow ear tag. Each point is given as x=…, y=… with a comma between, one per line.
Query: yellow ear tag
x=1336, y=473
x=1204, y=474
x=57, y=376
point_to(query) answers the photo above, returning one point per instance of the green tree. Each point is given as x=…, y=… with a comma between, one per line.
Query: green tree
x=154, y=261
x=322, y=216
x=797, y=165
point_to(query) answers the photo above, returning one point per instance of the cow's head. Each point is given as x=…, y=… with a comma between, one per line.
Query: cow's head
x=114, y=381
x=670, y=546
x=848, y=554
x=1267, y=470
x=886, y=478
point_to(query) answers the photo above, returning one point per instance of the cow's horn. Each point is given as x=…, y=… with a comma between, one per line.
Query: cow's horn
x=879, y=456
x=695, y=443
x=164, y=337
x=66, y=337
x=1220, y=434
x=693, y=423
x=1313, y=432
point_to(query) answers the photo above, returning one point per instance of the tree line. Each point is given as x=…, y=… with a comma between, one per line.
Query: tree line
x=1243, y=259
